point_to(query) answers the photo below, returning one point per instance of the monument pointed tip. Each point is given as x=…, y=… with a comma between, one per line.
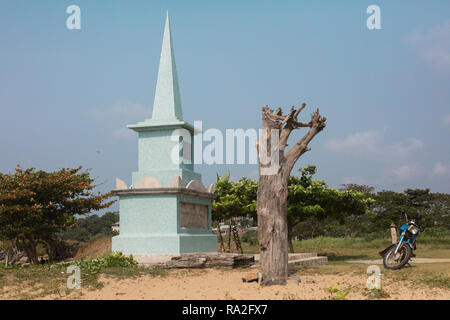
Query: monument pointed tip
x=167, y=103
x=167, y=17
x=167, y=24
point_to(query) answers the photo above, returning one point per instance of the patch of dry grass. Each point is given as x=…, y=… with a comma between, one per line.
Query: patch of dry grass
x=34, y=282
x=94, y=249
x=432, y=275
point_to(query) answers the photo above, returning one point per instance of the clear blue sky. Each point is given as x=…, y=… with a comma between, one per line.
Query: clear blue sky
x=66, y=95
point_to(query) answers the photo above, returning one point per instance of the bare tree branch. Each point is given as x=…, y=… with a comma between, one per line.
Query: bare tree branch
x=317, y=124
x=275, y=120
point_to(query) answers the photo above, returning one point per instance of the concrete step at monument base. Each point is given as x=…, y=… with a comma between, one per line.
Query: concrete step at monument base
x=296, y=256
x=310, y=259
x=195, y=260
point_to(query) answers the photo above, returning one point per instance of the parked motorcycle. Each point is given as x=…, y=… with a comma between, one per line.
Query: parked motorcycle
x=399, y=254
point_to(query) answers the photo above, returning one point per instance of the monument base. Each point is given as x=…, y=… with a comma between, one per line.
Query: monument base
x=165, y=244
x=195, y=260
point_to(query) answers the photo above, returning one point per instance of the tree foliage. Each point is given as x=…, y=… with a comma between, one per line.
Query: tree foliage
x=91, y=227
x=36, y=205
x=310, y=199
x=307, y=198
x=429, y=209
x=235, y=199
x=316, y=209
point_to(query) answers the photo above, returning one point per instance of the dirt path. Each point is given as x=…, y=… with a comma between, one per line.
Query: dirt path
x=413, y=260
x=228, y=285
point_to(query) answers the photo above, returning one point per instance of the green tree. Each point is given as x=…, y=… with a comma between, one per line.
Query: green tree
x=388, y=209
x=418, y=205
x=368, y=190
x=391, y=206
x=309, y=199
x=36, y=205
x=440, y=211
x=235, y=199
x=91, y=227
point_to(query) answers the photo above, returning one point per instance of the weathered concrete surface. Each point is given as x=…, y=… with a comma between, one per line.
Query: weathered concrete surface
x=215, y=259
x=302, y=259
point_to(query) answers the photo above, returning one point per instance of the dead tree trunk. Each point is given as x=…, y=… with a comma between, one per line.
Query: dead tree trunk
x=275, y=166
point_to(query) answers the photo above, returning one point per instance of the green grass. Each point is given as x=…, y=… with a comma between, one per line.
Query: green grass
x=43, y=280
x=373, y=294
x=433, y=275
x=336, y=293
x=440, y=280
x=322, y=243
x=361, y=243
x=290, y=296
x=341, y=249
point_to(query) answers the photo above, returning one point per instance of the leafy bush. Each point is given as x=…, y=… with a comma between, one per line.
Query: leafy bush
x=320, y=243
x=90, y=269
x=117, y=259
x=113, y=259
x=436, y=232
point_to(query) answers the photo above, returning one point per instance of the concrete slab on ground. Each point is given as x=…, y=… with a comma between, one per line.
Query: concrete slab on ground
x=302, y=259
x=149, y=259
x=195, y=260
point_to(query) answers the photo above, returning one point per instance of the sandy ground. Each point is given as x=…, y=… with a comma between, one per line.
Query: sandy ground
x=213, y=284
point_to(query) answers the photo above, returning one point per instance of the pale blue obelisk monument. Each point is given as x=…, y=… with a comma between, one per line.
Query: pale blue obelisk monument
x=166, y=210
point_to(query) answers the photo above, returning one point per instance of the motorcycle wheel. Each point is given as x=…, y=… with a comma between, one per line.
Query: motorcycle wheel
x=396, y=261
